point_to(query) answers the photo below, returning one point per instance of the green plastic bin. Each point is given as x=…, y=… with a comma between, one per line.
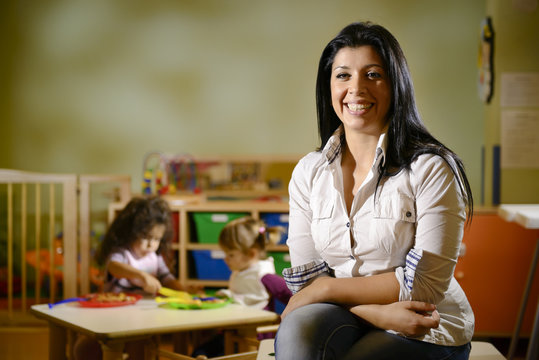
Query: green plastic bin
x=281, y=261
x=209, y=225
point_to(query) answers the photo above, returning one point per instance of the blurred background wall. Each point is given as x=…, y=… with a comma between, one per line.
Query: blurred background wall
x=516, y=48
x=92, y=86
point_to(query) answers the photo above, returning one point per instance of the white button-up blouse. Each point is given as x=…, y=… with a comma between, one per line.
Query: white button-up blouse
x=411, y=224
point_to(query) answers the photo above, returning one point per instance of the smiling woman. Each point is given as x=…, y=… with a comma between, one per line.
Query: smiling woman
x=376, y=218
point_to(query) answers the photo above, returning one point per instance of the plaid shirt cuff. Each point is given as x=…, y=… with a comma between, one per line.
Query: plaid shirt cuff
x=299, y=276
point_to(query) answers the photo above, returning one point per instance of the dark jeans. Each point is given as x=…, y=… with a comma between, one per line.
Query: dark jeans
x=330, y=332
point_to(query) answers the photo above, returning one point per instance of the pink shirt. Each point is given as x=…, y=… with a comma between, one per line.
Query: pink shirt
x=152, y=263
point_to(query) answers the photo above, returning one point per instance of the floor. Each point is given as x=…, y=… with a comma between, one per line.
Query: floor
x=32, y=343
x=24, y=343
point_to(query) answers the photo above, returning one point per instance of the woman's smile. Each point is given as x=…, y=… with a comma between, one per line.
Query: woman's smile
x=359, y=108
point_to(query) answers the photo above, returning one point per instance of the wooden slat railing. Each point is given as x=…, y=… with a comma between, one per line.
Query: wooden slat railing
x=60, y=203
x=18, y=183
x=85, y=182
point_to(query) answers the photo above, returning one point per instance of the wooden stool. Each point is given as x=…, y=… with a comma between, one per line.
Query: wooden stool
x=480, y=351
x=266, y=350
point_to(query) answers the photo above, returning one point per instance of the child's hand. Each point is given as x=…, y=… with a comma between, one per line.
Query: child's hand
x=151, y=284
x=191, y=289
x=226, y=293
x=195, y=290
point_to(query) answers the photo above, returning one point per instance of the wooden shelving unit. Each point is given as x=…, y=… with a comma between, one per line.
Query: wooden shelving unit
x=254, y=208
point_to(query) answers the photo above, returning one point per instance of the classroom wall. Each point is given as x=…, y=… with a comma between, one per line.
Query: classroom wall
x=92, y=86
x=516, y=26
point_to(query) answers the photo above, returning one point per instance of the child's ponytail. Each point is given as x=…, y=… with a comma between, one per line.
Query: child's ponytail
x=273, y=234
x=247, y=233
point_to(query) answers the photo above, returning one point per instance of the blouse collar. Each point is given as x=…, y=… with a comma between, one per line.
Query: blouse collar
x=333, y=148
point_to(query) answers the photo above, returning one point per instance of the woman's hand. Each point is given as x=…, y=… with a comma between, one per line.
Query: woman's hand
x=411, y=318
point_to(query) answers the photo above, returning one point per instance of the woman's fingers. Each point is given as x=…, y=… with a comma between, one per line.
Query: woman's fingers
x=430, y=316
x=419, y=306
x=436, y=315
x=433, y=319
x=417, y=319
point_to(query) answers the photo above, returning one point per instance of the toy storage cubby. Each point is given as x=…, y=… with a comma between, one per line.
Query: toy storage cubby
x=190, y=241
x=197, y=251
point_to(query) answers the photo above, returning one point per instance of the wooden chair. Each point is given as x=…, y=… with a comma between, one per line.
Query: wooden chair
x=251, y=355
x=279, y=293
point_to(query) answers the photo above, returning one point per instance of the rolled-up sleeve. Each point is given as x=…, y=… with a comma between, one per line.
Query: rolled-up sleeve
x=300, y=276
x=307, y=263
x=441, y=215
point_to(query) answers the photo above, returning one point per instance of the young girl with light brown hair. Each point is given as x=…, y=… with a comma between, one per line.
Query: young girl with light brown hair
x=244, y=243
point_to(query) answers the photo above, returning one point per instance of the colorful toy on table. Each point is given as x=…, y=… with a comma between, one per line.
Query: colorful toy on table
x=103, y=299
x=184, y=300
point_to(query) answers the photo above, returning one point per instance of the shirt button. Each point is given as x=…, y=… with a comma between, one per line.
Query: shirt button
x=408, y=214
x=347, y=224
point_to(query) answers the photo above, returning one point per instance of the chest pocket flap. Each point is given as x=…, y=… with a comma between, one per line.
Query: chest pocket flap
x=322, y=208
x=397, y=206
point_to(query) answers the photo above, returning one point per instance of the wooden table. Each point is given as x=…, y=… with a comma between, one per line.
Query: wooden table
x=114, y=326
x=527, y=215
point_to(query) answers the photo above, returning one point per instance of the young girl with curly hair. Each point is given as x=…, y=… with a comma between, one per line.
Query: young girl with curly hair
x=135, y=246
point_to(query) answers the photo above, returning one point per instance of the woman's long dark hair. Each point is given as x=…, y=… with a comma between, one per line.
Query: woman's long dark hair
x=407, y=136
x=134, y=222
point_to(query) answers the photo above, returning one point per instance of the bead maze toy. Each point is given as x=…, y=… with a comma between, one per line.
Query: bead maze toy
x=173, y=173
